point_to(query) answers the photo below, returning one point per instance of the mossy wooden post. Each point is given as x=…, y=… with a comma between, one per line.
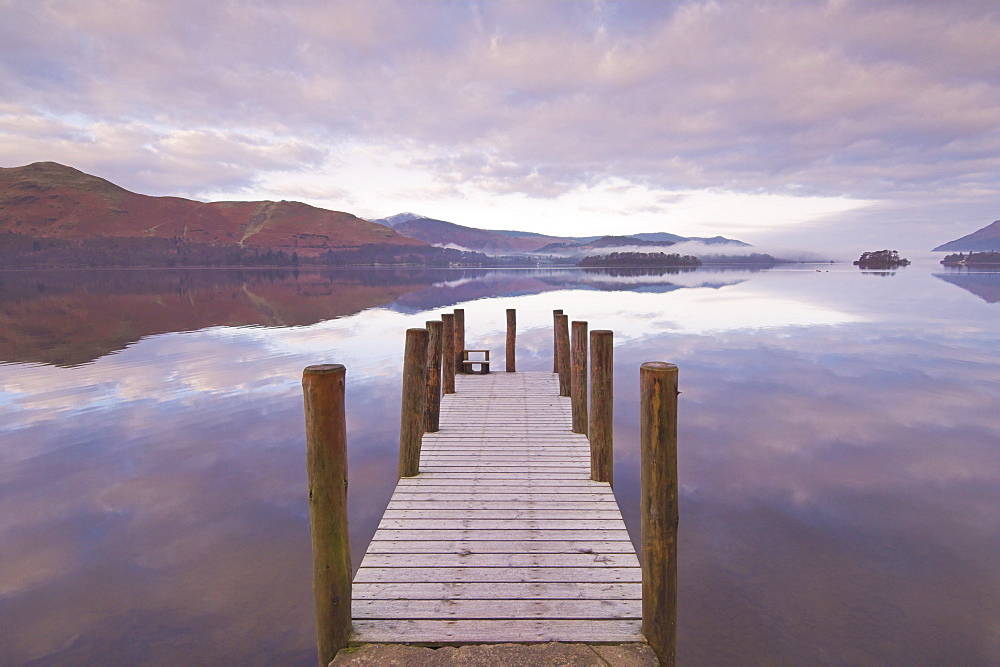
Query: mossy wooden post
x=602, y=398
x=326, y=464
x=411, y=414
x=562, y=352
x=658, y=506
x=448, y=352
x=511, y=334
x=459, y=339
x=578, y=377
x=432, y=394
x=555, y=341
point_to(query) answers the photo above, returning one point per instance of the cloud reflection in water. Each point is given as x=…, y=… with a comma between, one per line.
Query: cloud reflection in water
x=840, y=477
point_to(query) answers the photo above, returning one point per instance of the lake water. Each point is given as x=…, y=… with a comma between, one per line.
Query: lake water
x=839, y=451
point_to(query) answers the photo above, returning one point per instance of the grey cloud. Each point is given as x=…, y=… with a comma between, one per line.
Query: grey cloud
x=870, y=100
x=153, y=160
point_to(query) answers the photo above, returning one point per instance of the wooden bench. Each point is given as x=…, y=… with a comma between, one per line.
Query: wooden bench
x=468, y=365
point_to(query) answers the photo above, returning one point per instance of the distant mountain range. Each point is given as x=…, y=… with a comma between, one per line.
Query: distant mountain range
x=981, y=240
x=54, y=215
x=500, y=242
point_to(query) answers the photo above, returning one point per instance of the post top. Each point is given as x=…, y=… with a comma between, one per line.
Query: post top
x=324, y=369
x=659, y=367
x=602, y=332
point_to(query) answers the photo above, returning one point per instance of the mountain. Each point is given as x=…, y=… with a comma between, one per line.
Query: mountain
x=601, y=242
x=714, y=240
x=505, y=241
x=660, y=236
x=987, y=238
x=394, y=220
x=46, y=200
x=442, y=233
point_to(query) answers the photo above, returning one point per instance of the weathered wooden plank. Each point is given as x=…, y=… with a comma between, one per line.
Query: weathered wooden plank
x=539, y=590
x=499, y=546
x=436, y=632
x=536, y=493
x=500, y=535
x=472, y=559
x=518, y=485
x=501, y=514
x=495, y=524
x=485, y=475
x=473, y=505
x=497, y=609
x=373, y=575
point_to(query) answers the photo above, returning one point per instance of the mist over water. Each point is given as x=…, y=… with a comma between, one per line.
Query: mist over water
x=839, y=451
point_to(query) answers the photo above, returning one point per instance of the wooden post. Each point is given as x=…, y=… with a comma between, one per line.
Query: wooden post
x=578, y=377
x=459, y=339
x=511, y=334
x=411, y=414
x=448, y=352
x=432, y=396
x=562, y=352
x=326, y=464
x=602, y=398
x=555, y=341
x=658, y=506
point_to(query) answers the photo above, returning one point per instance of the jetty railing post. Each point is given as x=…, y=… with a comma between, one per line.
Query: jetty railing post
x=411, y=415
x=459, y=339
x=555, y=340
x=326, y=463
x=448, y=352
x=658, y=506
x=432, y=396
x=578, y=377
x=602, y=400
x=511, y=334
x=562, y=347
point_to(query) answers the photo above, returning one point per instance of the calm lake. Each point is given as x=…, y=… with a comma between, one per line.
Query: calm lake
x=839, y=451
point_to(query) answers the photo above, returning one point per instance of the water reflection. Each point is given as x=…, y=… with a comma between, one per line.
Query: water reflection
x=984, y=283
x=840, y=480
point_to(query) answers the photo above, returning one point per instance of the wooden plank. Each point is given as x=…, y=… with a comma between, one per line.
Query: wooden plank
x=537, y=494
x=494, y=524
x=437, y=632
x=373, y=575
x=492, y=591
x=497, y=609
x=545, y=488
x=544, y=512
x=473, y=505
x=499, y=546
x=473, y=559
x=500, y=535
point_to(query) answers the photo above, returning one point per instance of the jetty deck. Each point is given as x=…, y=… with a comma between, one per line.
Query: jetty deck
x=502, y=536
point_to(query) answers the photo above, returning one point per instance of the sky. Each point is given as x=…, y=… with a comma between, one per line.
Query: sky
x=826, y=125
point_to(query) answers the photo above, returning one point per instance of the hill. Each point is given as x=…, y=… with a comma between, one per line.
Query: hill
x=981, y=240
x=504, y=241
x=46, y=200
x=442, y=233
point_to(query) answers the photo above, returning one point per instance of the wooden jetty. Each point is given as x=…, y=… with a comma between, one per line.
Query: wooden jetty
x=503, y=526
x=502, y=536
